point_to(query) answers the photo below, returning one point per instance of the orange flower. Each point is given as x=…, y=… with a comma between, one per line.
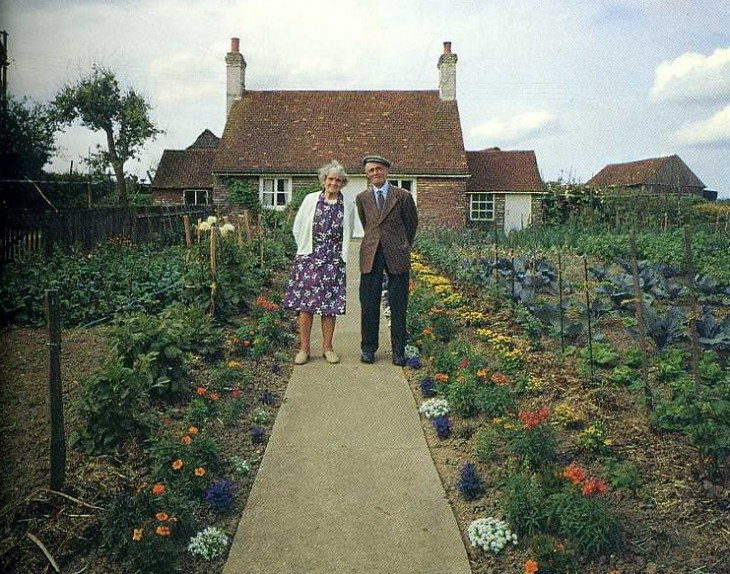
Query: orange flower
x=594, y=486
x=200, y=471
x=499, y=378
x=200, y=391
x=247, y=343
x=427, y=332
x=441, y=377
x=531, y=419
x=158, y=489
x=177, y=465
x=161, y=516
x=137, y=534
x=187, y=439
x=531, y=567
x=162, y=531
x=214, y=396
x=193, y=430
x=481, y=373
x=574, y=473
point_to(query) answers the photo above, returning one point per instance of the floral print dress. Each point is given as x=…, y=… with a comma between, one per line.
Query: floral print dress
x=317, y=281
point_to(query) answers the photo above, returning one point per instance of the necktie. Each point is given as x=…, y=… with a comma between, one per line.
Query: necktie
x=380, y=199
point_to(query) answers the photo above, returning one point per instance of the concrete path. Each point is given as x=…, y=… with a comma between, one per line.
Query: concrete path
x=347, y=483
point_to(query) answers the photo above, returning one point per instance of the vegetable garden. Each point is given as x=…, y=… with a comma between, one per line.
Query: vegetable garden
x=573, y=383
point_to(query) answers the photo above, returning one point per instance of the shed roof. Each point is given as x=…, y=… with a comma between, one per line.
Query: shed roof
x=669, y=170
x=191, y=168
x=495, y=170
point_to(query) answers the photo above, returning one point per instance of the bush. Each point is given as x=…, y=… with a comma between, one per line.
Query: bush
x=219, y=496
x=113, y=407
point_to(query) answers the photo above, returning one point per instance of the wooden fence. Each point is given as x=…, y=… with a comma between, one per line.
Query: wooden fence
x=42, y=231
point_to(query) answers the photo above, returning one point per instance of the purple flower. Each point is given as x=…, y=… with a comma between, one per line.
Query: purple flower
x=469, y=485
x=258, y=434
x=442, y=426
x=428, y=387
x=268, y=398
x=219, y=496
x=413, y=363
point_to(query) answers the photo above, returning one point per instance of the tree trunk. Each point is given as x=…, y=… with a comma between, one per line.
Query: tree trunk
x=118, y=167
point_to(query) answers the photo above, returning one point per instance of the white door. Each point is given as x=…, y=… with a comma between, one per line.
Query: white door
x=517, y=211
x=354, y=186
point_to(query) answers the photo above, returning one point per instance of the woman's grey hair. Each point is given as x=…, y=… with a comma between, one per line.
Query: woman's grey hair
x=333, y=166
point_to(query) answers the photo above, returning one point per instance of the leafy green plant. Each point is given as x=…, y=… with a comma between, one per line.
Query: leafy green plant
x=113, y=406
x=524, y=502
x=621, y=474
x=604, y=355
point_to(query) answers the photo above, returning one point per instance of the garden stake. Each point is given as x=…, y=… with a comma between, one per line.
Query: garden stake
x=638, y=298
x=588, y=314
x=188, y=235
x=58, y=438
x=247, y=223
x=212, y=271
x=693, y=311
x=496, y=255
x=560, y=300
x=261, y=238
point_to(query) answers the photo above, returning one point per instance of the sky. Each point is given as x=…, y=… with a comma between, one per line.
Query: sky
x=583, y=84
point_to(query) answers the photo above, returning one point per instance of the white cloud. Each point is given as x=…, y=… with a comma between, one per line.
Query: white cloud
x=518, y=128
x=693, y=76
x=713, y=130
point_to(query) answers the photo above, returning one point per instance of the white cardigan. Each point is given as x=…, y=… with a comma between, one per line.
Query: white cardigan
x=304, y=223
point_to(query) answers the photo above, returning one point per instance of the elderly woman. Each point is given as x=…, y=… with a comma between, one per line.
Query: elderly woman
x=322, y=229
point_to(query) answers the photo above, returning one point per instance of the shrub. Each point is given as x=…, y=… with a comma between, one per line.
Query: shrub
x=208, y=544
x=488, y=444
x=113, y=407
x=524, y=502
x=490, y=534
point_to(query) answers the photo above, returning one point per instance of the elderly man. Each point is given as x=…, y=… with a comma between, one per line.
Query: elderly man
x=389, y=219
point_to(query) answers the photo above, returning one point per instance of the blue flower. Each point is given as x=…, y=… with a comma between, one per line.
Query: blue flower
x=219, y=496
x=442, y=426
x=268, y=398
x=258, y=434
x=428, y=387
x=413, y=363
x=469, y=485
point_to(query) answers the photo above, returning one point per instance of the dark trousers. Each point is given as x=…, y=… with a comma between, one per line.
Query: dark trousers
x=371, y=288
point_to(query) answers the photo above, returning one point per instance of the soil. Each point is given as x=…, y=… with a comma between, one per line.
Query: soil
x=676, y=522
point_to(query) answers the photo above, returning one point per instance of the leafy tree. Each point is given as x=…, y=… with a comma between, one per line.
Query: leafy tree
x=98, y=102
x=26, y=139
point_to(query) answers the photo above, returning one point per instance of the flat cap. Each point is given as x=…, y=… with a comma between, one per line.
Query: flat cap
x=375, y=159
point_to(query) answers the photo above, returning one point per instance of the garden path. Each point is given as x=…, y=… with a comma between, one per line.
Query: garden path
x=347, y=483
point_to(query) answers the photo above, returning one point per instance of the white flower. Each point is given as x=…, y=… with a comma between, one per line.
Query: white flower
x=212, y=220
x=204, y=226
x=240, y=466
x=435, y=407
x=209, y=543
x=490, y=534
x=411, y=351
x=227, y=228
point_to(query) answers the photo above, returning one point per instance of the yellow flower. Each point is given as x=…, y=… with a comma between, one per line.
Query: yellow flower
x=137, y=534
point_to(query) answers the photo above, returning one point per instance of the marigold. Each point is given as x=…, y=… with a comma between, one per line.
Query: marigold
x=574, y=473
x=499, y=378
x=186, y=439
x=531, y=567
x=200, y=471
x=200, y=391
x=137, y=534
x=214, y=396
x=162, y=516
x=162, y=531
x=481, y=373
x=193, y=430
x=177, y=465
x=158, y=489
x=441, y=377
x=234, y=364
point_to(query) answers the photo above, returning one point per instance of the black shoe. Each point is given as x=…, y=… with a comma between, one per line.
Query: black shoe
x=367, y=357
x=399, y=360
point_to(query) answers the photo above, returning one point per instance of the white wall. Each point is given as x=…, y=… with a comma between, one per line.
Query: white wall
x=354, y=186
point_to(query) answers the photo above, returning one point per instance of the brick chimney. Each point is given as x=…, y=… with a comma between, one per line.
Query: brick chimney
x=235, y=75
x=447, y=74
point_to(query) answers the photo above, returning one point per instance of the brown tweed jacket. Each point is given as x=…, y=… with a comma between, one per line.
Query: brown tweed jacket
x=394, y=228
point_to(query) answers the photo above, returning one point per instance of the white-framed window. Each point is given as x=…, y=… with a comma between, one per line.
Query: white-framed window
x=274, y=192
x=481, y=206
x=196, y=196
x=407, y=184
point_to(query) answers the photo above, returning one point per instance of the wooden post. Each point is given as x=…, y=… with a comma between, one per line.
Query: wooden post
x=58, y=437
x=641, y=324
x=694, y=312
x=247, y=223
x=213, y=269
x=588, y=316
x=240, y=232
x=188, y=234
x=560, y=301
x=261, y=238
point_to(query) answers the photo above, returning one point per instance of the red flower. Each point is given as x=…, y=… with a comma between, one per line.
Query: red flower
x=464, y=363
x=574, y=473
x=200, y=391
x=531, y=567
x=531, y=419
x=236, y=393
x=594, y=486
x=158, y=489
x=499, y=379
x=162, y=531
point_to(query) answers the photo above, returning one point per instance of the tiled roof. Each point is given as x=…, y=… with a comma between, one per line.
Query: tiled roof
x=496, y=170
x=299, y=131
x=207, y=139
x=670, y=170
x=185, y=169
